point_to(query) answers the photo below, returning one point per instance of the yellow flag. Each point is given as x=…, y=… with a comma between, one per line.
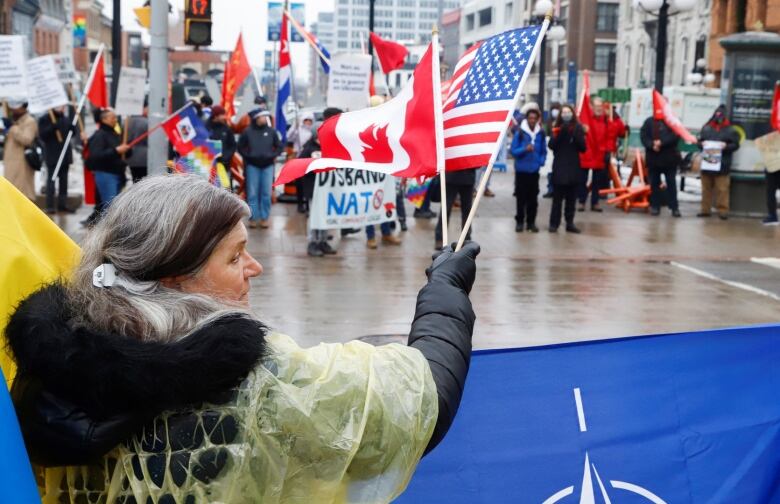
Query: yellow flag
x=143, y=15
x=34, y=252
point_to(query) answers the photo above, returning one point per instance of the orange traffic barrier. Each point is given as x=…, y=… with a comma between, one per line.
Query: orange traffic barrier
x=629, y=196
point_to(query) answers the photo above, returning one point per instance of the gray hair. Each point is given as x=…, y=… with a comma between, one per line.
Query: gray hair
x=161, y=227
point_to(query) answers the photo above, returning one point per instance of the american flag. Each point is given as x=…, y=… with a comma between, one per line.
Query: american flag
x=480, y=97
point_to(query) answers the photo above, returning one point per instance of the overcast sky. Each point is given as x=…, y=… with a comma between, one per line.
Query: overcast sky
x=248, y=16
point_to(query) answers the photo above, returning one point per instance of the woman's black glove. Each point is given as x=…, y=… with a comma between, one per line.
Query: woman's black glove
x=455, y=268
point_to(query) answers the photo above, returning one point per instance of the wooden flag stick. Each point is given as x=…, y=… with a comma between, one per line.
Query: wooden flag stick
x=486, y=176
x=437, y=113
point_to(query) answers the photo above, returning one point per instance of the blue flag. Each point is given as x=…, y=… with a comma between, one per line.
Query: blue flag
x=16, y=476
x=685, y=418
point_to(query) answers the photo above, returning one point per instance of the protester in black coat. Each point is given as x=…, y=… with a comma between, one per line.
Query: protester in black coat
x=460, y=184
x=567, y=142
x=660, y=144
x=53, y=130
x=717, y=183
x=105, y=158
x=220, y=130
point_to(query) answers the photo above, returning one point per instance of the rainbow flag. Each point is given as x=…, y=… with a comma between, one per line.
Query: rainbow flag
x=416, y=191
x=202, y=160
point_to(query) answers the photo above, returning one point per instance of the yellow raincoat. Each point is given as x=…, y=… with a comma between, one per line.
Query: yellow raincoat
x=330, y=424
x=33, y=252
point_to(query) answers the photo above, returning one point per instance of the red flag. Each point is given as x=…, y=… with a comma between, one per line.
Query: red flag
x=392, y=55
x=397, y=137
x=775, y=118
x=236, y=70
x=97, y=92
x=592, y=157
x=662, y=110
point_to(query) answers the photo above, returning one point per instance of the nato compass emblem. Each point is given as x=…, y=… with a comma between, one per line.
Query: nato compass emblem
x=590, y=488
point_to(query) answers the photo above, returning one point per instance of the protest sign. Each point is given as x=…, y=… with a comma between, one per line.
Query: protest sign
x=13, y=80
x=130, y=95
x=348, y=198
x=45, y=91
x=769, y=147
x=348, y=81
x=65, y=70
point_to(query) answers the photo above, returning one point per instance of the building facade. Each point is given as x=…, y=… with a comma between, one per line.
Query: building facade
x=733, y=16
x=407, y=21
x=324, y=29
x=687, y=34
x=450, y=40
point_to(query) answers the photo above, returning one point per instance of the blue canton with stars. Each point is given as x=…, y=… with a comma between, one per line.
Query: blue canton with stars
x=498, y=67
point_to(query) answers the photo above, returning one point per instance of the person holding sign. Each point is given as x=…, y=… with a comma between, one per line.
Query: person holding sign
x=21, y=134
x=717, y=140
x=53, y=129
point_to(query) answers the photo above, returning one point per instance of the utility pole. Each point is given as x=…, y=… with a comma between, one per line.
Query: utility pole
x=660, y=47
x=371, y=29
x=116, y=49
x=158, y=87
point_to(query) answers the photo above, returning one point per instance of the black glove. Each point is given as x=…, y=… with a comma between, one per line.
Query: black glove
x=455, y=268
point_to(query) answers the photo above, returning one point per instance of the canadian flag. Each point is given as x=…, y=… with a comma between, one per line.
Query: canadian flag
x=397, y=137
x=775, y=118
x=662, y=110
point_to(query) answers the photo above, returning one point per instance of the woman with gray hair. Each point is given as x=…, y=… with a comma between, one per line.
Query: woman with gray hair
x=146, y=377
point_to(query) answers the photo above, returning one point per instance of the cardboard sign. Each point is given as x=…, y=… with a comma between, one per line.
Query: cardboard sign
x=349, y=198
x=348, y=81
x=130, y=94
x=769, y=147
x=45, y=91
x=13, y=79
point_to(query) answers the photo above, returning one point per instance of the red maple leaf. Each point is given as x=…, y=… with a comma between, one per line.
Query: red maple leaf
x=376, y=148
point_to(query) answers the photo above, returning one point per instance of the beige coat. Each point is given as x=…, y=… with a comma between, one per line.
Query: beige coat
x=20, y=136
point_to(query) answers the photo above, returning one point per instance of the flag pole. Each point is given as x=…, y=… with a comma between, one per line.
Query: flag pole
x=80, y=106
x=439, y=122
x=158, y=125
x=292, y=74
x=305, y=36
x=486, y=176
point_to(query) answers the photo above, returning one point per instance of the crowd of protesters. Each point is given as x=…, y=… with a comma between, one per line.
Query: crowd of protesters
x=583, y=156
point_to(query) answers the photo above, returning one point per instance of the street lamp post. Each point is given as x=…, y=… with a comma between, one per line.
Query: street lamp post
x=663, y=7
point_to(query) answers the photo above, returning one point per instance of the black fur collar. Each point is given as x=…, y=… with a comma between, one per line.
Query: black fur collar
x=107, y=374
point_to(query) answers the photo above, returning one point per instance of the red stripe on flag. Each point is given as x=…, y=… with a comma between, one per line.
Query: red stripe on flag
x=292, y=170
x=471, y=138
x=466, y=162
x=480, y=117
x=331, y=146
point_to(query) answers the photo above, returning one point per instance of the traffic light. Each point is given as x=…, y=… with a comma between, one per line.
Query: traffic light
x=197, y=22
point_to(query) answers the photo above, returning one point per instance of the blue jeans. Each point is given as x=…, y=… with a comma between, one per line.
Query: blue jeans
x=258, y=190
x=385, y=227
x=107, y=185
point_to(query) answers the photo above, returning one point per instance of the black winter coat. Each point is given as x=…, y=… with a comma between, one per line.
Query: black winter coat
x=725, y=134
x=308, y=149
x=222, y=132
x=668, y=156
x=259, y=145
x=567, y=146
x=79, y=393
x=103, y=156
x=52, y=145
x=462, y=177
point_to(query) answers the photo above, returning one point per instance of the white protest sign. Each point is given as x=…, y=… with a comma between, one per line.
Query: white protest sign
x=45, y=90
x=348, y=81
x=349, y=198
x=65, y=70
x=711, y=155
x=131, y=91
x=13, y=79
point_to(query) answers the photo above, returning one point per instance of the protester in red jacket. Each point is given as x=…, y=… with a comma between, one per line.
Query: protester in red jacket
x=616, y=128
x=594, y=158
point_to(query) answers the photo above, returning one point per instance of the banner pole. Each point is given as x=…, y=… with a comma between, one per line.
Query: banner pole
x=157, y=126
x=437, y=114
x=486, y=176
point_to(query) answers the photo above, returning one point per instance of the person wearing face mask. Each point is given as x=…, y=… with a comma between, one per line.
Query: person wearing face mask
x=567, y=141
x=660, y=143
x=718, y=140
x=21, y=132
x=106, y=158
x=529, y=148
x=259, y=145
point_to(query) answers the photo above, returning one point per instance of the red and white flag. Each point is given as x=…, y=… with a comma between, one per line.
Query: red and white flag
x=391, y=55
x=775, y=118
x=97, y=92
x=397, y=137
x=662, y=110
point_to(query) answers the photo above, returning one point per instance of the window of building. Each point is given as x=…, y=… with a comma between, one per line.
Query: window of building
x=470, y=22
x=628, y=65
x=684, y=60
x=641, y=66
x=343, y=33
x=564, y=15
x=603, y=53
x=406, y=25
x=701, y=46
x=485, y=16
x=343, y=11
x=342, y=44
x=508, y=8
x=343, y=22
x=607, y=17
x=405, y=14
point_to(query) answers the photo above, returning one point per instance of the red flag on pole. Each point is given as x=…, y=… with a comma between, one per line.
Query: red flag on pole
x=662, y=110
x=591, y=158
x=775, y=118
x=97, y=92
x=236, y=70
x=391, y=55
